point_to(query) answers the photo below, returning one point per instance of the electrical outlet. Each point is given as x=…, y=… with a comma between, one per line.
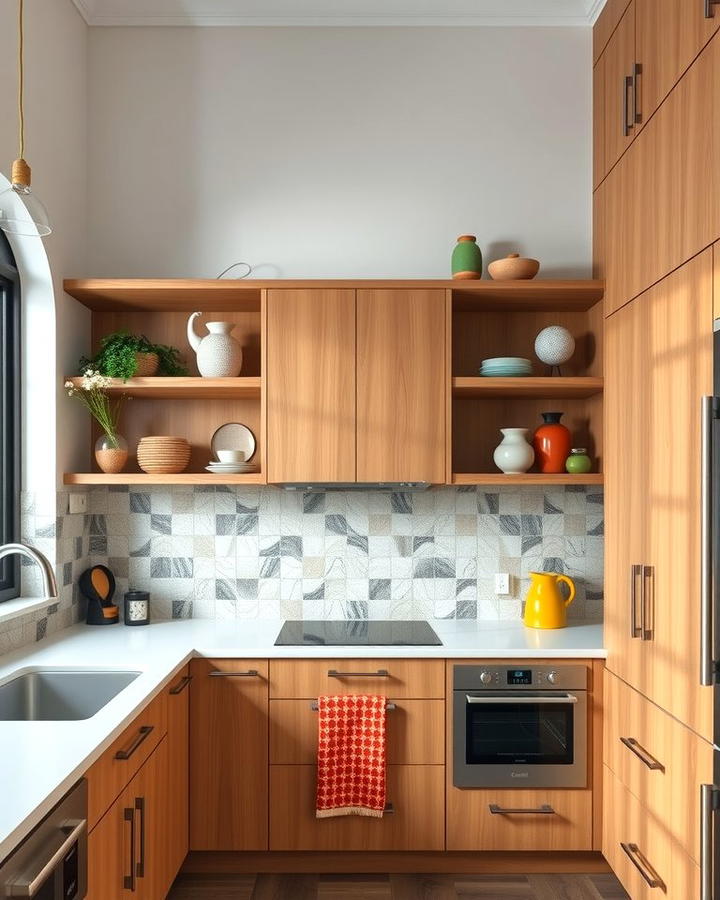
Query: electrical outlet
x=502, y=583
x=78, y=503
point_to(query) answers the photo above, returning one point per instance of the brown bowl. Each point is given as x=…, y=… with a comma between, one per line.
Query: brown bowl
x=513, y=268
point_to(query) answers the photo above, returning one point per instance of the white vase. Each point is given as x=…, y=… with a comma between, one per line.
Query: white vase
x=218, y=354
x=513, y=455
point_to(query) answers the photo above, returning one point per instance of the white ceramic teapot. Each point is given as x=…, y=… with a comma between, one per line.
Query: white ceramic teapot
x=218, y=353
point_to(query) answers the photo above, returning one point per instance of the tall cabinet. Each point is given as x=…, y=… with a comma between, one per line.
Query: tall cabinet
x=656, y=215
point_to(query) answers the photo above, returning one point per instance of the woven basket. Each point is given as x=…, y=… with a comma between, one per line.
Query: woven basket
x=163, y=455
x=147, y=364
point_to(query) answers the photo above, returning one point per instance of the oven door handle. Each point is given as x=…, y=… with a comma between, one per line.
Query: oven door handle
x=523, y=698
x=29, y=886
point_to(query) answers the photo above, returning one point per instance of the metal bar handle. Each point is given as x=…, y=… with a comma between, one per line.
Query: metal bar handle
x=140, y=807
x=389, y=707
x=389, y=809
x=544, y=810
x=642, y=754
x=181, y=685
x=635, y=630
x=523, y=698
x=636, y=115
x=708, y=799
x=650, y=876
x=707, y=663
x=142, y=735
x=28, y=887
x=129, y=880
x=381, y=673
x=648, y=603
x=251, y=673
x=627, y=86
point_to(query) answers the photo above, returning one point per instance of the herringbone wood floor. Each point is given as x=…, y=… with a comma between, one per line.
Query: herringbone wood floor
x=398, y=887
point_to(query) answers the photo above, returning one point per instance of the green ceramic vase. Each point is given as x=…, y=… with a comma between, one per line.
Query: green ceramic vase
x=578, y=463
x=467, y=261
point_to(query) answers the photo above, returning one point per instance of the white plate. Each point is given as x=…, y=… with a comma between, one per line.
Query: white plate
x=234, y=436
x=230, y=470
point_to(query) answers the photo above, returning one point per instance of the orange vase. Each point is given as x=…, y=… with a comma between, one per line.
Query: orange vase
x=552, y=444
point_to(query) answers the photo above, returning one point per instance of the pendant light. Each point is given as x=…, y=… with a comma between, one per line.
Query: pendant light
x=33, y=218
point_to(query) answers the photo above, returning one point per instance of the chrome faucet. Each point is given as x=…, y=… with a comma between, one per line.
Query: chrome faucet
x=49, y=584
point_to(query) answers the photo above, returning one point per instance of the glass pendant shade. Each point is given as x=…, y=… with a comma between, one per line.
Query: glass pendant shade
x=21, y=211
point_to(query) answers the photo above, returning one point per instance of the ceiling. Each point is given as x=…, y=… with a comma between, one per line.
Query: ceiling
x=340, y=12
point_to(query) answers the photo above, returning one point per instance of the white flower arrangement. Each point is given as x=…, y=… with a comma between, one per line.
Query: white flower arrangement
x=92, y=392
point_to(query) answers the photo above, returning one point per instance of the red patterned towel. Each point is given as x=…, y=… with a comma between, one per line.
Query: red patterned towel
x=351, y=756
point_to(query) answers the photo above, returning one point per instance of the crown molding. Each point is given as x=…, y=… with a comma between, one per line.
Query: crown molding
x=584, y=18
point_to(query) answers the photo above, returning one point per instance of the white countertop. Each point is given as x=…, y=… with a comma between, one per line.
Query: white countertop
x=40, y=761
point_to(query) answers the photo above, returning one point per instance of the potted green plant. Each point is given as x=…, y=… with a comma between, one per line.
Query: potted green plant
x=111, y=449
x=124, y=355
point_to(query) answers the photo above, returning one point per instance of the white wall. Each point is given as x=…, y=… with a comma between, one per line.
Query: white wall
x=56, y=142
x=321, y=151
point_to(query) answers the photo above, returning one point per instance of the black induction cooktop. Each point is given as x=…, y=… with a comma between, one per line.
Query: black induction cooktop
x=357, y=632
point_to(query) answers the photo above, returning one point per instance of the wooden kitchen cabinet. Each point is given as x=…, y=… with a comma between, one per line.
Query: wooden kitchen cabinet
x=417, y=822
x=229, y=755
x=395, y=678
x=618, y=89
x=662, y=200
x=176, y=833
x=662, y=762
x=401, y=385
x=669, y=35
x=661, y=345
x=126, y=849
x=311, y=385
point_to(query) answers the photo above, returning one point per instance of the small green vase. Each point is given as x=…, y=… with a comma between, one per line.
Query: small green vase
x=578, y=463
x=467, y=261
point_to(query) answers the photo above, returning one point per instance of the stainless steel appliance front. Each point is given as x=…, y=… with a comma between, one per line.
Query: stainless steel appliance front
x=519, y=725
x=51, y=863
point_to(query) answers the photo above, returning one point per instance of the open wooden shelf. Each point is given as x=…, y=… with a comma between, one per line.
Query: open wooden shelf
x=562, y=387
x=165, y=294
x=144, y=478
x=179, y=388
x=536, y=295
x=526, y=478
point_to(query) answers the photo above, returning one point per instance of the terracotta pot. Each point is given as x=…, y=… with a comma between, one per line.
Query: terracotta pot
x=552, y=444
x=467, y=262
x=513, y=268
x=147, y=364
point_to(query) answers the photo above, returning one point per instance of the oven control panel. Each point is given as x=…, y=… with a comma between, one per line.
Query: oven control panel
x=520, y=676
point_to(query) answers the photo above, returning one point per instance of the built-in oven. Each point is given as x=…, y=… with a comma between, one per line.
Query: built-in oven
x=520, y=725
x=51, y=863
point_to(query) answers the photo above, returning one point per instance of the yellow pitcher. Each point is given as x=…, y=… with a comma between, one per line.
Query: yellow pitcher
x=545, y=606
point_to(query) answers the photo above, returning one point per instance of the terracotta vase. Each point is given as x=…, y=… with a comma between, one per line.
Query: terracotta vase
x=552, y=444
x=467, y=261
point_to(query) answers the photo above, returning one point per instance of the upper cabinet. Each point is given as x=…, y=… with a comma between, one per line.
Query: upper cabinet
x=641, y=51
x=356, y=385
x=401, y=385
x=311, y=385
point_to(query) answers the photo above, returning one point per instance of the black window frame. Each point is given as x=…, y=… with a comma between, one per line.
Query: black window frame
x=10, y=422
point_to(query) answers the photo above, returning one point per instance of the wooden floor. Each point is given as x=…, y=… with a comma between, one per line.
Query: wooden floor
x=398, y=887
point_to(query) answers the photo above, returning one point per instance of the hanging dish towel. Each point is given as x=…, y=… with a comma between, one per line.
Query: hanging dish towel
x=351, y=756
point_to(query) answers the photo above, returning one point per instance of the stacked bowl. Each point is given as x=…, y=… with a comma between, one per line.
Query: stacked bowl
x=160, y=455
x=506, y=367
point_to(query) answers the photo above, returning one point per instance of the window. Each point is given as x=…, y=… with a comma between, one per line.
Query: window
x=9, y=417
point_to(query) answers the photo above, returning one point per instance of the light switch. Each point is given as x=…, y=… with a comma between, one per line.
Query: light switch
x=502, y=583
x=78, y=503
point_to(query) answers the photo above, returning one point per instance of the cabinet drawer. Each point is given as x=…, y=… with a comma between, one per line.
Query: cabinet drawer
x=419, y=678
x=119, y=763
x=659, y=760
x=654, y=855
x=415, y=732
x=417, y=794
x=472, y=825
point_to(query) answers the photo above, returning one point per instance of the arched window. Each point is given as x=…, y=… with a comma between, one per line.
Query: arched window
x=9, y=417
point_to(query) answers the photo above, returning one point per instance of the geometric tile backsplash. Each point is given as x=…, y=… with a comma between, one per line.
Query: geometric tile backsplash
x=225, y=552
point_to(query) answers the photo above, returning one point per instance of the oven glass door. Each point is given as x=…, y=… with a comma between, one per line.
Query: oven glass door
x=534, y=728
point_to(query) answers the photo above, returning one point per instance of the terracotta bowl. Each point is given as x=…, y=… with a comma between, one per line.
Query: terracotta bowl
x=513, y=268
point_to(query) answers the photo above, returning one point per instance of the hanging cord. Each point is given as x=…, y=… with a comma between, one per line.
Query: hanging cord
x=21, y=75
x=225, y=271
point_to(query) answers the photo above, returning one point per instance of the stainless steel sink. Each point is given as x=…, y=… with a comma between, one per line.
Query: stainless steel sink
x=47, y=695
